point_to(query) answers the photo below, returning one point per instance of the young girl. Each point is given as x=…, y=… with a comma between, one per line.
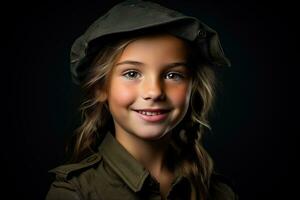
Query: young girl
x=147, y=75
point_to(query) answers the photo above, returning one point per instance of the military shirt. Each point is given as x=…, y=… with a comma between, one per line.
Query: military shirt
x=113, y=174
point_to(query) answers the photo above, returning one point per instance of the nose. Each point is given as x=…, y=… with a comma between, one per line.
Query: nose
x=153, y=89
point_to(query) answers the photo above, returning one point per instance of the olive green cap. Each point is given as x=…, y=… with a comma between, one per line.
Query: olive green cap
x=137, y=16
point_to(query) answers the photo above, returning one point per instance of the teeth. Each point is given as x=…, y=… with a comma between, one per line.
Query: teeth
x=149, y=113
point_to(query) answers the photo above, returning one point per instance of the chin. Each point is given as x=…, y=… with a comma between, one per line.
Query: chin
x=151, y=136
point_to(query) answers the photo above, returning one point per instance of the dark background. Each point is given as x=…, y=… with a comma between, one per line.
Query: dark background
x=252, y=141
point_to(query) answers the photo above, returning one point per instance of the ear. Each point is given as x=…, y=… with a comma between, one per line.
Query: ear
x=101, y=95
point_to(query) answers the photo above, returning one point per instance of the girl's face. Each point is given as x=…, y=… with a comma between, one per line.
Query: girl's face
x=149, y=87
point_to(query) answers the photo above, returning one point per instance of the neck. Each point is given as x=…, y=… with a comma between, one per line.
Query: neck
x=151, y=154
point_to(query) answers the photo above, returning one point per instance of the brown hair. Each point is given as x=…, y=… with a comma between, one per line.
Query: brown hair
x=191, y=158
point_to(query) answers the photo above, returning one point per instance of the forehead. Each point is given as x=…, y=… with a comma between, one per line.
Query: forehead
x=156, y=47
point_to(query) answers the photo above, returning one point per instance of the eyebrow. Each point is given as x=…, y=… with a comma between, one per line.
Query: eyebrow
x=137, y=63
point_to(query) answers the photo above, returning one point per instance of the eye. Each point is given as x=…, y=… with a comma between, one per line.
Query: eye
x=132, y=75
x=175, y=76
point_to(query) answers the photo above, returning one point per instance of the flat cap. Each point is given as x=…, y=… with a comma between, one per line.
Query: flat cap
x=137, y=16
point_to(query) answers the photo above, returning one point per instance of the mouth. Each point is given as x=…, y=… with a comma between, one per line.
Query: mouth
x=152, y=115
x=151, y=112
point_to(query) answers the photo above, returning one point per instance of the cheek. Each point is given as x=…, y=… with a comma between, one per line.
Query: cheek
x=180, y=95
x=120, y=94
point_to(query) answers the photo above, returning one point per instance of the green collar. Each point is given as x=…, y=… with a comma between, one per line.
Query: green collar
x=123, y=163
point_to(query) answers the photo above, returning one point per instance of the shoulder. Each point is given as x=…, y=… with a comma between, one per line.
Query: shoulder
x=71, y=179
x=222, y=188
x=65, y=172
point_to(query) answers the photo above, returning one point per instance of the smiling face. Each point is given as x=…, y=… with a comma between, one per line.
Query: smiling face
x=149, y=87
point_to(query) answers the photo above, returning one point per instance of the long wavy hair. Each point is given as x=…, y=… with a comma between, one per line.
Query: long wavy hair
x=187, y=150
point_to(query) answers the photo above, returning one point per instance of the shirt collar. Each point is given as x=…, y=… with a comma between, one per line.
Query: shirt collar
x=123, y=163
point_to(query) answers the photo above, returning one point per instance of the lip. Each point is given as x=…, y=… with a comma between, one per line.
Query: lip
x=163, y=113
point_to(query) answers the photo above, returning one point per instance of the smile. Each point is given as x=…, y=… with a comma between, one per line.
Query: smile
x=149, y=113
x=157, y=115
